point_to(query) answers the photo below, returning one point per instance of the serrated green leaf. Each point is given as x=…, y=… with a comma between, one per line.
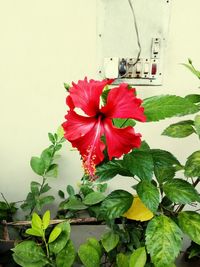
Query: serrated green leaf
x=52, y=171
x=149, y=195
x=192, y=166
x=140, y=163
x=54, y=234
x=180, y=129
x=74, y=204
x=37, y=165
x=60, y=242
x=89, y=256
x=109, y=240
x=194, y=98
x=29, y=251
x=166, y=106
x=189, y=222
x=93, y=198
x=138, y=258
x=46, y=219
x=163, y=240
x=66, y=256
x=197, y=124
x=121, y=123
x=165, y=164
x=107, y=171
x=180, y=191
x=122, y=260
x=116, y=204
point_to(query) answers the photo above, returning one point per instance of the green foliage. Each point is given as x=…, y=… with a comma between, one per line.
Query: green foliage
x=116, y=204
x=192, y=68
x=7, y=210
x=122, y=260
x=180, y=191
x=109, y=240
x=149, y=195
x=189, y=222
x=192, y=166
x=180, y=129
x=120, y=123
x=163, y=240
x=56, y=249
x=138, y=258
x=94, y=198
x=167, y=106
x=88, y=255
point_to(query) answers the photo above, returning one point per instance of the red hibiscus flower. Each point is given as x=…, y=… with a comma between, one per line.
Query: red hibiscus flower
x=85, y=132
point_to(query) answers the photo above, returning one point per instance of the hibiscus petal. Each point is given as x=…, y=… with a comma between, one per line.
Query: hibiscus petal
x=70, y=102
x=91, y=147
x=77, y=125
x=122, y=103
x=120, y=141
x=86, y=95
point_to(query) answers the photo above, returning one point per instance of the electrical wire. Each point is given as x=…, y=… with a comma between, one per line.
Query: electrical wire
x=138, y=37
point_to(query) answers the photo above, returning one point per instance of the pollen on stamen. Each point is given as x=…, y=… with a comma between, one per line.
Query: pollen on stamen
x=89, y=165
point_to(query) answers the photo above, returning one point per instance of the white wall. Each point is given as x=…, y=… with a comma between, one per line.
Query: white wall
x=45, y=43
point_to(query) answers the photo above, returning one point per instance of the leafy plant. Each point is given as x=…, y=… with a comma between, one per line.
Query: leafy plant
x=46, y=168
x=55, y=250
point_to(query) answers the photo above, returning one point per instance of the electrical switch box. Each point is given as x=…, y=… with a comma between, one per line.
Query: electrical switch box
x=132, y=39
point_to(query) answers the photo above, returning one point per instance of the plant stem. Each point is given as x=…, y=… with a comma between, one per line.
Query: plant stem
x=46, y=245
x=5, y=200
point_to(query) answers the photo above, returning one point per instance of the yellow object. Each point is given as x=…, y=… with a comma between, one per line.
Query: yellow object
x=138, y=211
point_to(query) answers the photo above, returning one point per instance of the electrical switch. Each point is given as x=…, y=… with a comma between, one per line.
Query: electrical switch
x=154, y=69
x=138, y=68
x=146, y=68
x=156, y=48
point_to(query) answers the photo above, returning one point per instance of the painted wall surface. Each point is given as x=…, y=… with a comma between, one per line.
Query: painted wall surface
x=45, y=43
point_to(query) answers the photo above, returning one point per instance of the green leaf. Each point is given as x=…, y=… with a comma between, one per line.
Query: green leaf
x=180, y=191
x=46, y=219
x=180, y=129
x=46, y=200
x=60, y=132
x=66, y=256
x=116, y=204
x=138, y=258
x=102, y=187
x=194, y=98
x=46, y=156
x=54, y=234
x=165, y=164
x=122, y=260
x=109, y=240
x=192, y=166
x=163, y=240
x=51, y=138
x=140, y=163
x=36, y=221
x=197, y=124
x=61, y=241
x=73, y=204
x=35, y=188
x=89, y=256
x=34, y=232
x=149, y=195
x=70, y=190
x=166, y=106
x=121, y=123
x=110, y=169
x=45, y=188
x=95, y=244
x=23, y=263
x=52, y=171
x=61, y=194
x=29, y=251
x=93, y=198
x=189, y=222
x=37, y=165
x=192, y=69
